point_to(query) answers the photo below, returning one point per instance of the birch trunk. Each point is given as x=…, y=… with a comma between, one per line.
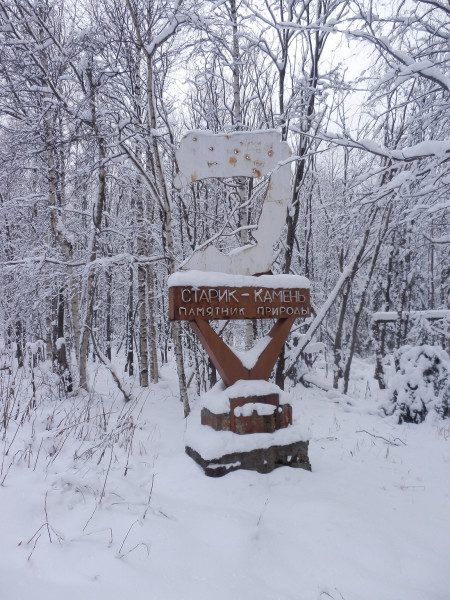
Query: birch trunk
x=97, y=216
x=362, y=300
x=153, y=359
x=161, y=195
x=56, y=197
x=237, y=115
x=379, y=329
x=129, y=363
x=143, y=327
x=347, y=274
x=337, y=346
x=142, y=243
x=108, y=278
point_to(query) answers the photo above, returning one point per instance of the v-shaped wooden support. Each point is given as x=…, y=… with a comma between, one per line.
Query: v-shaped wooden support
x=229, y=365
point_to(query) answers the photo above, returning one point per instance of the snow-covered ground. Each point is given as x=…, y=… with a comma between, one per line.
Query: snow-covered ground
x=371, y=521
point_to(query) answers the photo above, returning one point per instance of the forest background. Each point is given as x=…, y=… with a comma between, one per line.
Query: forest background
x=94, y=99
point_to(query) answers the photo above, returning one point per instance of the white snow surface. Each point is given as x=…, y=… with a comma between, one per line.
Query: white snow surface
x=413, y=314
x=211, y=444
x=250, y=357
x=370, y=522
x=198, y=279
x=60, y=342
x=259, y=408
x=35, y=347
x=217, y=400
x=314, y=348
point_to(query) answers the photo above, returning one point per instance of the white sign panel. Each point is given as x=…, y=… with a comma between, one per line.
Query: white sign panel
x=202, y=155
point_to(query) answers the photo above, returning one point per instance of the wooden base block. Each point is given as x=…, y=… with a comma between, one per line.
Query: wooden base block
x=280, y=417
x=245, y=418
x=262, y=460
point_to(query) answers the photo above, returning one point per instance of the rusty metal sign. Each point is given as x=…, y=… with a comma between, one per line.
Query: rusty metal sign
x=202, y=155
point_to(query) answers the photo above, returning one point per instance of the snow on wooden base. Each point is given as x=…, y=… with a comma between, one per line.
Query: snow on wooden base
x=217, y=399
x=262, y=460
x=246, y=407
x=249, y=418
x=220, y=452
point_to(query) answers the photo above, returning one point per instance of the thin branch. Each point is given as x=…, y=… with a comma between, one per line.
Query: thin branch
x=390, y=442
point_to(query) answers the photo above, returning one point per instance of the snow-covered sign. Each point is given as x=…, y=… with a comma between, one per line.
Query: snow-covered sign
x=203, y=155
x=195, y=294
x=237, y=285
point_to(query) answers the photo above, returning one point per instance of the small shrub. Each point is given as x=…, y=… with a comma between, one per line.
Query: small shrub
x=421, y=385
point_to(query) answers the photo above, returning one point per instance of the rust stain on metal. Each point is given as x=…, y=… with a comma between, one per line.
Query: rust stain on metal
x=212, y=164
x=233, y=160
x=270, y=153
x=257, y=172
x=194, y=177
x=247, y=157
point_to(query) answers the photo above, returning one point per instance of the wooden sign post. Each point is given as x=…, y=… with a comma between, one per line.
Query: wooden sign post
x=258, y=409
x=218, y=286
x=198, y=305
